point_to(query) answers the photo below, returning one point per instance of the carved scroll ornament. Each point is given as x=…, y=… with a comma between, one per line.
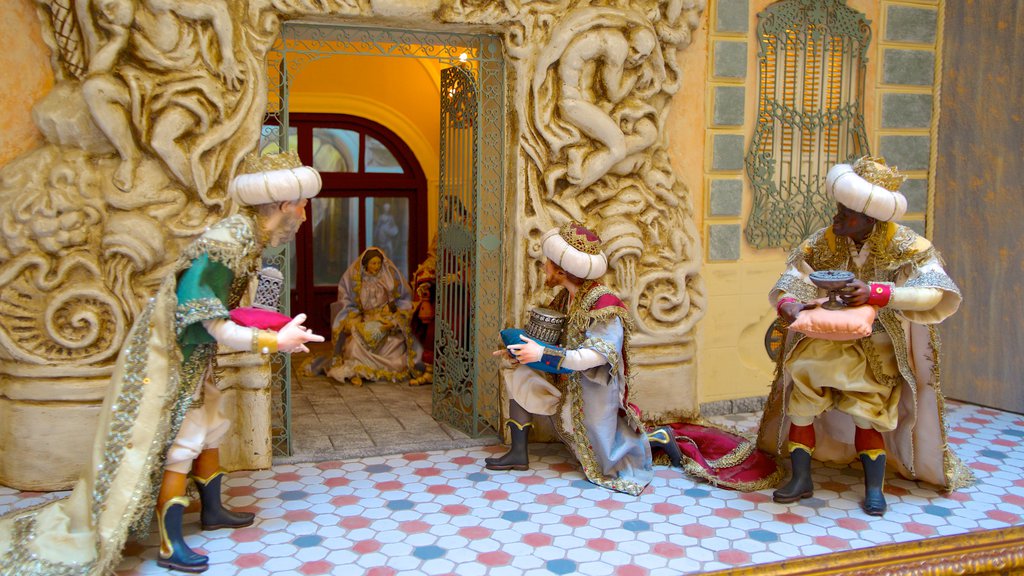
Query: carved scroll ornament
x=596, y=81
x=157, y=101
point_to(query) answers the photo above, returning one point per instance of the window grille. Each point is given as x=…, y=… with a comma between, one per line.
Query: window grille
x=811, y=70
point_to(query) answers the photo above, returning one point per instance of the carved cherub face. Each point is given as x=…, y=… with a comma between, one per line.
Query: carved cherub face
x=117, y=12
x=641, y=45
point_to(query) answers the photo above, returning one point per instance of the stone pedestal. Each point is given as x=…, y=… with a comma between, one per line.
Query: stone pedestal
x=665, y=383
x=47, y=426
x=46, y=430
x=246, y=384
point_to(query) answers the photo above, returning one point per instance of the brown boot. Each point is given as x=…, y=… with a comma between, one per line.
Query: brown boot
x=517, y=457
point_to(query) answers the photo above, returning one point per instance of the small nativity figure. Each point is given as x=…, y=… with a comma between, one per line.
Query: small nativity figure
x=424, y=293
x=372, y=337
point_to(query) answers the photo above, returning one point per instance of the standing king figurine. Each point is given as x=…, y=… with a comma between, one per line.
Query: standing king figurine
x=876, y=397
x=161, y=421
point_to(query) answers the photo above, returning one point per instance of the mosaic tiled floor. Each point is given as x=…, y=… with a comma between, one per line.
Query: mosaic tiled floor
x=441, y=513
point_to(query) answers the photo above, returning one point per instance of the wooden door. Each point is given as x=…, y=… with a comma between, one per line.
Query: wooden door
x=979, y=208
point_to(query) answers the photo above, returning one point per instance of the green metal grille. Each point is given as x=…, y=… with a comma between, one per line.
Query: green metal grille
x=280, y=363
x=275, y=130
x=469, y=241
x=812, y=59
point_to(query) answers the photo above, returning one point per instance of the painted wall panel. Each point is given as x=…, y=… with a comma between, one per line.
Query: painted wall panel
x=25, y=62
x=978, y=200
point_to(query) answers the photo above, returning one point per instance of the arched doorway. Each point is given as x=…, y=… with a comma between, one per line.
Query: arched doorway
x=374, y=194
x=467, y=403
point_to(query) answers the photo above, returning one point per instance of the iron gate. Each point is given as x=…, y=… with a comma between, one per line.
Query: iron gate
x=465, y=390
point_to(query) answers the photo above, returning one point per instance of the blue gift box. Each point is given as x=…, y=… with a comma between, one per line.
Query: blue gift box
x=551, y=361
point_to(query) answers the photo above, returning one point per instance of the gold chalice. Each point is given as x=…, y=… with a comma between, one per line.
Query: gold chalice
x=833, y=281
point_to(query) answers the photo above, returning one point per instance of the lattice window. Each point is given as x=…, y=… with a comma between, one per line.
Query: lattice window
x=812, y=60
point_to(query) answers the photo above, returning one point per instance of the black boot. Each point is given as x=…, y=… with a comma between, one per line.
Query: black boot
x=174, y=553
x=517, y=457
x=214, y=515
x=874, y=480
x=665, y=439
x=799, y=485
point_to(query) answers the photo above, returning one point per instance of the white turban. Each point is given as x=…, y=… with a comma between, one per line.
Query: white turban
x=274, y=178
x=576, y=250
x=869, y=187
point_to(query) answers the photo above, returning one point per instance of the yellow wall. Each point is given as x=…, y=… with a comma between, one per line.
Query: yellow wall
x=732, y=362
x=875, y=128
x=401, y=94
x=25, y=62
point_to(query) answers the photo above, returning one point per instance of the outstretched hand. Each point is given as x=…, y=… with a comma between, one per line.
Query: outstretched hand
x=293, y=336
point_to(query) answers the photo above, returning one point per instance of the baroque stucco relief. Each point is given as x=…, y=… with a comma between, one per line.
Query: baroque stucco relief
x=592, y=84
x=157, y=101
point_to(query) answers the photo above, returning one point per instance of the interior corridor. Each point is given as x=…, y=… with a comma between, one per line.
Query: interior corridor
x=332, y=421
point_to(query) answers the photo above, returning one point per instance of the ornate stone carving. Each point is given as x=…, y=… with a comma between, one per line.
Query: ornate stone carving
x=166, y=73
x=596, y=81
x=156, y=102
x=593, y=82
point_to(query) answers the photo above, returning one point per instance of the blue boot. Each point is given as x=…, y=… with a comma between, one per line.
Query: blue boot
x=665, y=438
x=174, y=553
x=874, y=480
x=800, y=485
x=214, y=515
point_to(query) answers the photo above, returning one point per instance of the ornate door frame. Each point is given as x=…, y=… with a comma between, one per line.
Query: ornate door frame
x=465, y=397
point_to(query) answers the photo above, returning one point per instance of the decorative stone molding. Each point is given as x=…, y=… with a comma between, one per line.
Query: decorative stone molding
x=592, y=84
x=157, y=101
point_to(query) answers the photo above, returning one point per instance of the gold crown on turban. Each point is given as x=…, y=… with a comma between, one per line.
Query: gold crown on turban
x=580, y=238
x=874, y=170
x=255, y=162
x=576, y=250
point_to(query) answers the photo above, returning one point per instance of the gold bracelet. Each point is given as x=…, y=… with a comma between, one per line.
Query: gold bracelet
x=266, y=342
